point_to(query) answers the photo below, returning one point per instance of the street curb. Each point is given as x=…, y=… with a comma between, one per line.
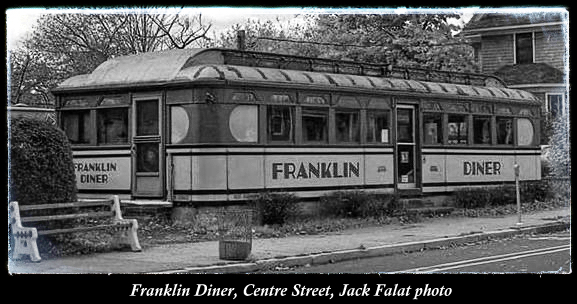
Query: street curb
x=359, y=253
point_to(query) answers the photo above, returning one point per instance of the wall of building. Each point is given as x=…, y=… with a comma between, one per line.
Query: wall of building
x=496, y=51
x=550, y=49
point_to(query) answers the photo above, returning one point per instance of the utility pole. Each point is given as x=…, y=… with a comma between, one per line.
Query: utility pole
x=517, y=194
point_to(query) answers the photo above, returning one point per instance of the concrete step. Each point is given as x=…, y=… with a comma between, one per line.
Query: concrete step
x=145, y=208
x=408, y=203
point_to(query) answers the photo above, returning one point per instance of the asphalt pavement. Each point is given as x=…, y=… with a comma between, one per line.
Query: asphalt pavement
x=300, y=250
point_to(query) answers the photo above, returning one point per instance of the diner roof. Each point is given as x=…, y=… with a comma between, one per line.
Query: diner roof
x=192, y=65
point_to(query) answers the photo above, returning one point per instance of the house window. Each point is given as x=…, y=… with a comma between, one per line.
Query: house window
x=555, y=104
x=524, y=48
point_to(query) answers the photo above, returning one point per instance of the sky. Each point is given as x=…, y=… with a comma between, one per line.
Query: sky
x=20, y=21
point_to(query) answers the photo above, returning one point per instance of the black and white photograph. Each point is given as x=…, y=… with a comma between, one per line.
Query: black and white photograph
x=285, y=141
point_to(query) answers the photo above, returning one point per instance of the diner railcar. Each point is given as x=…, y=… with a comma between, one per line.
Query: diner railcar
x=216, y=125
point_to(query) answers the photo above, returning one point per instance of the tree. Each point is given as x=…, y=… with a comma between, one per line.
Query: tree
x=271, y=36
x=406, y=40
x=68, y=44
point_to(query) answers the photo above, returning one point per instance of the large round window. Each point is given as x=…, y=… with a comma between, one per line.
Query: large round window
x=243, y=123
x=525, y=132
x=179, y=124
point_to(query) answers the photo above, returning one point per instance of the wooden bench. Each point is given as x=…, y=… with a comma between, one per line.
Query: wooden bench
x=25, y=237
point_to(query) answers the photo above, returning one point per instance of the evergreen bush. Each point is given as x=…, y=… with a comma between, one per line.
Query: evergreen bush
x=41, y=170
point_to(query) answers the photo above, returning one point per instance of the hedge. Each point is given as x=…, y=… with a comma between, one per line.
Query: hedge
x=41, y=170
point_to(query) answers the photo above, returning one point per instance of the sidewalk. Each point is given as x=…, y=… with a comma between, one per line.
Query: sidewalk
x=203, y=257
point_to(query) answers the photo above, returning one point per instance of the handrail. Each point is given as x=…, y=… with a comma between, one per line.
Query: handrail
x=292, y=62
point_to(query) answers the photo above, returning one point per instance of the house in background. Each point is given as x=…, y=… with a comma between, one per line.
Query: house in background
x=527, y=51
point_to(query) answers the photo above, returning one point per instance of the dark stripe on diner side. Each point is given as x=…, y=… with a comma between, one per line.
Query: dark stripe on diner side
x=278, y=153
x=289, y=189
x=101, y=155
x=105, y=191
x=450, y=184
x=512, y=153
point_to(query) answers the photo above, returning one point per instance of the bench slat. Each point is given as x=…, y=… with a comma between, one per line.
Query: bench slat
x=66, y=205
x=66, y=216
x=80, y=229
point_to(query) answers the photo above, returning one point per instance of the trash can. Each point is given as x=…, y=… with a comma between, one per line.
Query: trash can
x=235, y=234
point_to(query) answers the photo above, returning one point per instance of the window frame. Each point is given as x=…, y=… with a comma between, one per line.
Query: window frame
x=513, y=128
x=489, y=117
x=388, y=113
x=356, y=137
x=467, y=122
x=548, y=103
x=324, y=111
x=515, y=47
x=97, y=112
x=441, y=140
x=90, y=133
x=268, y=121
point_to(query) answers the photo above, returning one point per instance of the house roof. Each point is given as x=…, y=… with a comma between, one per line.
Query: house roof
x=529, y=74
x=496, y=20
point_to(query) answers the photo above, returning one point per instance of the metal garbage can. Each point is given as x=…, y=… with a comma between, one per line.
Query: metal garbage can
x=235, y=234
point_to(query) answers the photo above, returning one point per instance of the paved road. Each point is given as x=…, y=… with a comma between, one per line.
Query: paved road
x=521, y=254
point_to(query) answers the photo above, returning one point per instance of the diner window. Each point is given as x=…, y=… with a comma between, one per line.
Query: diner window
x=112, y=126
x=457, y=126
x=179, y=124
x=243, y=123
x=147, y=160
x=525, y=132
x=524, y=48
x=76, y=125
x=280, y=123
x=147, y=117
x=314, y=125
x=505, y=130
x=433, y=131
x=482, y=129
x=378, y=127
x=347, y=126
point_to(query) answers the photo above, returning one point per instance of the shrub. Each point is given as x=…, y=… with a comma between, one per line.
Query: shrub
x=356, y=204
x=41, y=168
x=535, y=191
x=530, y=191
x=276, y=208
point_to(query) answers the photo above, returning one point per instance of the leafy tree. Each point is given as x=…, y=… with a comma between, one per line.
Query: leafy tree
x=408, y=40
